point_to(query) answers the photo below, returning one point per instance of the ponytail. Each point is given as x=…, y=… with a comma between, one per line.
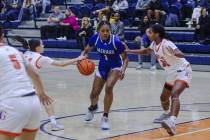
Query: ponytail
x=23, y=41
x=31, y=44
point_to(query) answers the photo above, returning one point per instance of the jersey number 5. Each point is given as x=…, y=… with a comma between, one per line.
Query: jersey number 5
x=15, y=62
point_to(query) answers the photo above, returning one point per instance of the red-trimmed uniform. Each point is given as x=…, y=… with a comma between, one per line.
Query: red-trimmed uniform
x=19, y=105
x=176, y=68
x=37, y=60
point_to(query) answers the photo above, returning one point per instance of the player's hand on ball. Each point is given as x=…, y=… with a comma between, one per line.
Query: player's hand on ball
x=81, y=57
x=45, y=100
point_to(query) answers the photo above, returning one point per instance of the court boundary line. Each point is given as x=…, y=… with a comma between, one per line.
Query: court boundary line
x=45, y=122
x=158, y=128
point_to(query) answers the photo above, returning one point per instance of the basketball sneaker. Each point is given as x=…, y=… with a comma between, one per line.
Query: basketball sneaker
x=105, y=123
x=139, y=67
x=170, y=126
x=161, y=118
x=57, y=127
x=90, y=114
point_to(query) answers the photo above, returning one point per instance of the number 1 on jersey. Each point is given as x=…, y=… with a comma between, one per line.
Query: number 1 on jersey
x=15, y=62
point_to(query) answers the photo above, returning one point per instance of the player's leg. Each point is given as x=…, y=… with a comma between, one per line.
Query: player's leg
x=31, y=126
x=113, y=77
x=178, y=88
x=27, y=135
x=12, y=118
x=165, y=103
x=50, y=111
x=97, y=87
x=5, y=137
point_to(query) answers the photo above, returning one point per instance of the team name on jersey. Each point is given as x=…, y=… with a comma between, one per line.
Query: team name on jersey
x=108, y=52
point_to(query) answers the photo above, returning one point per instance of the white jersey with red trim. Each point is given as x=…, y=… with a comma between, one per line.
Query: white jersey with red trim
x=14, y=81
x=165, y=56
x=37, y=60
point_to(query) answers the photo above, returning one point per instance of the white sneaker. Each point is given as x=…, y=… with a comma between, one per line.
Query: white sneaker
x=140, y=66
x=169, y=126
x=161, y=118
x=59, y=38
x=57, y=127
x=153, y=68
x=105, y=123
x=64, y=38
x=90, y=115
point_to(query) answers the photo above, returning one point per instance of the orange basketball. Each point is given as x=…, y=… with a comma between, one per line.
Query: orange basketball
x=86, y=67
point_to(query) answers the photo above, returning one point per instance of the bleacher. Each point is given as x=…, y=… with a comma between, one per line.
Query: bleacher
x=183, y=36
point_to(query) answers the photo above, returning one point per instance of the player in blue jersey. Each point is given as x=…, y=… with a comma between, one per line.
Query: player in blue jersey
x=112, y=65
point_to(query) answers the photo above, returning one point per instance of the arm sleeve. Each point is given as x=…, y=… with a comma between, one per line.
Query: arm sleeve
x=120, y=47
x=43, y=60
x=92, y=40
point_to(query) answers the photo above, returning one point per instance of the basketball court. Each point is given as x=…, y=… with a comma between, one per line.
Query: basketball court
x=136, y=104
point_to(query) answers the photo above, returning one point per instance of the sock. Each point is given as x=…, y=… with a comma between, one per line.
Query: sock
x=106, y=115
x=173, y=118
x=166, y=112
x=52, y=120
x=93, y=107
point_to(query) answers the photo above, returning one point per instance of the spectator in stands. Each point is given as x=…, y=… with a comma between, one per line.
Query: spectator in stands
x=201, y=3
x=38, y=7
x=2, y=6
x=170, y=20
x=144, y=24
x=27, y=11
x=45, y=3
x=150, y=14
x=117, y=28
x=141, y=7
x=12, y=9
x=69, y=26
x=203, y=27
x=121, y=7
x=157, y=16
x=85, y=32
x=144, y=42
x=195, y=15
x=51, y=30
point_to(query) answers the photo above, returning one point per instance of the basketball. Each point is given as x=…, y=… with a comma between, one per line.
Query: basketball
x=86, y=67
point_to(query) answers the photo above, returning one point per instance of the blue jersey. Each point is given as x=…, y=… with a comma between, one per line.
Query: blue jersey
x=110, y=53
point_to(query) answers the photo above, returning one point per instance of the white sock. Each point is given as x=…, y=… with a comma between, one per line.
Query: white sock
x=52, y=120
x=173, y=118
x=166, y=112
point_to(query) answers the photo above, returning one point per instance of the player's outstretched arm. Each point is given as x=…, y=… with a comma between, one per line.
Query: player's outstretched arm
x=64, y=63
x=86, y=50
x=146, y=51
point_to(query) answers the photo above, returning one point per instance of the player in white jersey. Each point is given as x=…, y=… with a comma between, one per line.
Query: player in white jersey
x=179, y=75
x=19, y=105
x=33, y=55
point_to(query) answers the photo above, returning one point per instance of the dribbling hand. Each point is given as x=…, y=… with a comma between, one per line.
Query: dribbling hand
x=81, y=57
